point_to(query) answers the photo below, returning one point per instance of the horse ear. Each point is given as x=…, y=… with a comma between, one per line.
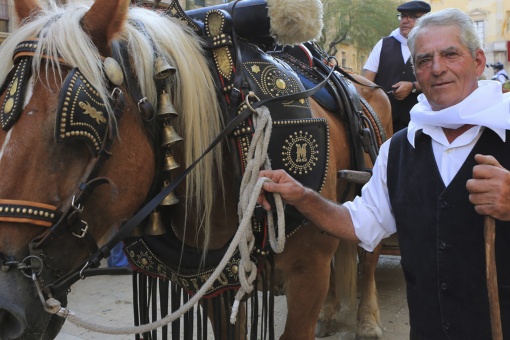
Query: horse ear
x=104, y=20
x=26, y=8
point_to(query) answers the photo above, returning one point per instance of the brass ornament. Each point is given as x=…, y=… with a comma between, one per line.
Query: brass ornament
x=169, y=162
x=165, y=106
x=300, y=153
x=170, y=137
x=113, y=71
x=155, y=225
x=162, y=69
x=9, y=104
x=170, y=199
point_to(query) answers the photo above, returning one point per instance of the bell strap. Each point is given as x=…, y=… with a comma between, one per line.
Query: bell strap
x=17, y=211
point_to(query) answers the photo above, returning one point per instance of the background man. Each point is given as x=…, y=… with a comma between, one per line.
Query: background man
x=500, y=73
x=434, y=182
x=389, y=64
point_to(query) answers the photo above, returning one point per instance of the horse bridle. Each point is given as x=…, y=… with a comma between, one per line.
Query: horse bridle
x=67, y=219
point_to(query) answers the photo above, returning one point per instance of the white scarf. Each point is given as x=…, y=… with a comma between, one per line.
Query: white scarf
x=486, y=106
x=396, y=34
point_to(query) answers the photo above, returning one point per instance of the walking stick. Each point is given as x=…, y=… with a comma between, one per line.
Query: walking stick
x=492, y=278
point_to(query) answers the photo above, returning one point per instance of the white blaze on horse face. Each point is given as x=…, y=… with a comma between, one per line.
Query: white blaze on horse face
x=29, y=91
x=28, y=96
x=4, y=146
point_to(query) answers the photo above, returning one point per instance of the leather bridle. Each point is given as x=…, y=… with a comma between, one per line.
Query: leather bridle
x=67, y=218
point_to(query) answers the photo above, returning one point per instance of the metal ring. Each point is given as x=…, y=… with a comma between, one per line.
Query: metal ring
x=27, y=261
x=251, y=94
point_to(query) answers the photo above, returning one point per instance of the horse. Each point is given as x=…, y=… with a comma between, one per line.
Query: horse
x=80, y=156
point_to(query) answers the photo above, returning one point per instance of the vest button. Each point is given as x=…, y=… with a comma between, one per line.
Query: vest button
x=443, y=204
x=442, y=245
x=444, y=286
x=447, y=326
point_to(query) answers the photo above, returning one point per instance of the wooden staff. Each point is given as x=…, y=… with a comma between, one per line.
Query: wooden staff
x=492, y=278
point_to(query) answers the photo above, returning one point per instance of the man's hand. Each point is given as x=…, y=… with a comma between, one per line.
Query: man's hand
x=402, y=89
x=291, y=191
x=490, y=188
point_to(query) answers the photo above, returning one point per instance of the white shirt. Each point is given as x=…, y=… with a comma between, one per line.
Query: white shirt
x=374, y=58
x=372, y=214
x=500, y=75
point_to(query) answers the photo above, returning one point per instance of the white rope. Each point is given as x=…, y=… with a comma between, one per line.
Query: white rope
x=244, y=239
x=251, y=185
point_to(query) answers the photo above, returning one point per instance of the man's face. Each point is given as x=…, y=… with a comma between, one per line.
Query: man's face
x=445, y=69
x=407, y=21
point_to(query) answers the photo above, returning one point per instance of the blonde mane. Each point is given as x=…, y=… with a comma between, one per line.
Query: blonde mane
x=192, y=88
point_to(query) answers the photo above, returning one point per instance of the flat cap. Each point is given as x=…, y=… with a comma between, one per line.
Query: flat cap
x=498, y=66
x=414, y=6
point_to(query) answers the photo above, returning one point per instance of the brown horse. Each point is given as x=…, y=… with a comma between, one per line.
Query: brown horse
x=69, y=177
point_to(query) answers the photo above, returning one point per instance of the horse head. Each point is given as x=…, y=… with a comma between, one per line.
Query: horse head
x=68, y=135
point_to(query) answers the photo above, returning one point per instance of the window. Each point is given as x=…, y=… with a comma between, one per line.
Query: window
x=480, y=28
x=4, y=16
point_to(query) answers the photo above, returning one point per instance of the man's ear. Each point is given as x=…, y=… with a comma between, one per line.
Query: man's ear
x=480, y=61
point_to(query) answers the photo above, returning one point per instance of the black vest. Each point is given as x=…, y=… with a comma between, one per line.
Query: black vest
x=392, y=69
x=441, y=241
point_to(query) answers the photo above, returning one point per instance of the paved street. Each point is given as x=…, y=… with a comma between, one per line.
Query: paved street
x=107, y=300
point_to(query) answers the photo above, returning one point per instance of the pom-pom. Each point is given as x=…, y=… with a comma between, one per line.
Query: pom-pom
x=295, y=21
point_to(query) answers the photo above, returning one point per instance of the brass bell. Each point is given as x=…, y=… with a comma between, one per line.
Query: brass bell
x=170, y=137
x=155, y=225
x=162, y=69
x=165, y=107
x=170, y=199
x=169, y=162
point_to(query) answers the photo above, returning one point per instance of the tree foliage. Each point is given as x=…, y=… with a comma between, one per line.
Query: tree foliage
x=358, y=22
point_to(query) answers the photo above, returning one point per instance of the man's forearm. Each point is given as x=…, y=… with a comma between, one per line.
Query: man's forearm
x=329, y=216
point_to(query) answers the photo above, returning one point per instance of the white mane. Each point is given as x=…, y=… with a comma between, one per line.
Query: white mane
x=192, y=91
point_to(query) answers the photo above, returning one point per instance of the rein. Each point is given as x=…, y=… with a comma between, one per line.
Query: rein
x=95, y=260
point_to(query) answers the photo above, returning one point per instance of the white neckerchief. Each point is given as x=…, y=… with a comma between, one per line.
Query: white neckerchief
x=396, y=34
x=486, y=106
x=406, y=54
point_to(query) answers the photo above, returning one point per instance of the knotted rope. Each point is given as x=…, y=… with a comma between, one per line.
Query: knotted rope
x=250, y=189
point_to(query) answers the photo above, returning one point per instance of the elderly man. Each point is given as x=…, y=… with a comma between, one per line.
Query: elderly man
x=434, y=182
x=389, y=64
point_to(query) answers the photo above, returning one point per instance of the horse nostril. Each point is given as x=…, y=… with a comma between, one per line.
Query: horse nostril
x=11, y=326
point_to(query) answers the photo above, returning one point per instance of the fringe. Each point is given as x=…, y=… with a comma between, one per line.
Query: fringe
x=152, y=298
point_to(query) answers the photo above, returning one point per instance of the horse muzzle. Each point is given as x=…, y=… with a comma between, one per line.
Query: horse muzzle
x=22, y=315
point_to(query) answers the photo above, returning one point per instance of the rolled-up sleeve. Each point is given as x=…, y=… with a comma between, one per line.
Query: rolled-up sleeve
x=371, y=213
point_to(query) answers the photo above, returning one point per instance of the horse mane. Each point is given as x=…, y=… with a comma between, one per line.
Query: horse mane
x=192, y=88
x=193, y=93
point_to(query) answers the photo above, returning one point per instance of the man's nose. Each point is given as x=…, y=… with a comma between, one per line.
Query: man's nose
x=438, y=65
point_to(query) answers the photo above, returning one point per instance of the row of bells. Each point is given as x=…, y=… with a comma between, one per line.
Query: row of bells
x=166, y=112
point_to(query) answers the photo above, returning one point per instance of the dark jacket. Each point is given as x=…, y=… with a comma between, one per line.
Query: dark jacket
x=392, y=69
x=441, y=241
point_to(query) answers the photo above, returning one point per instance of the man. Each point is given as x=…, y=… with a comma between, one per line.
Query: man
x=435, y=180
x=389, y=64
x=500, y=74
